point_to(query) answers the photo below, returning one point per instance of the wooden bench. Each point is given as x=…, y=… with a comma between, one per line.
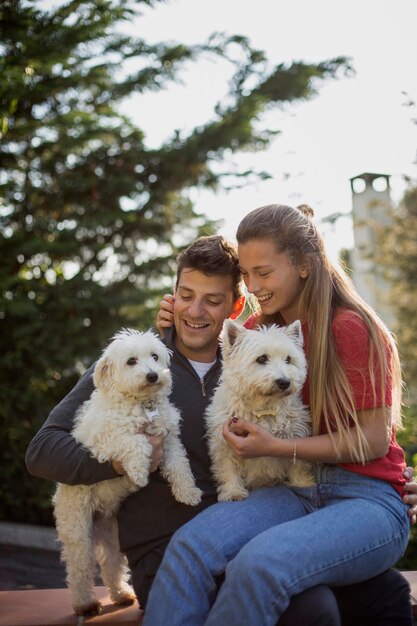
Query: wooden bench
x=52, y=607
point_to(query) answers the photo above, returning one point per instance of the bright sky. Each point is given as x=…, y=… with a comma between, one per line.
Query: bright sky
x=354, y=125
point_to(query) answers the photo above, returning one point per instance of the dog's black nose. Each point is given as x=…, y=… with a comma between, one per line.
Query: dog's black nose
x=283, y=383
x=152, y=377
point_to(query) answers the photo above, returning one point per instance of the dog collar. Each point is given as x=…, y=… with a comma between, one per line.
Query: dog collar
x=150, y=409
x=266, y=413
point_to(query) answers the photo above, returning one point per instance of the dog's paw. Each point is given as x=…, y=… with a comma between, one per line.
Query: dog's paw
x=93, y=608
x=122, y=593
x=191, y=496
x=226, y=495
x=124, y=596
x=140, y=479
x=300, y=475
x=126, y=599
x=305, y=481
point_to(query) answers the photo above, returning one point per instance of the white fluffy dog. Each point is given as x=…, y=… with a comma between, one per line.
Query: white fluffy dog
x=132, y=383
x=263, y=373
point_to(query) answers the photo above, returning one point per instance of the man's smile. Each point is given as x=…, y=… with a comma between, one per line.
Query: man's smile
x=196, y=325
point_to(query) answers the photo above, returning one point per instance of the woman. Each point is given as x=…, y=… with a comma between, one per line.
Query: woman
x=352, y=524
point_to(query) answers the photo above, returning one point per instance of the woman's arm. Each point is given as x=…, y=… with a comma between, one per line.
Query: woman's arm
x=250, y=440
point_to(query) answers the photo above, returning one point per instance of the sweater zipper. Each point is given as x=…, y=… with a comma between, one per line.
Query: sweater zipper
x=203, y=387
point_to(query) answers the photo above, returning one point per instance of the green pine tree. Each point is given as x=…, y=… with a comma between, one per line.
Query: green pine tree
x=92, y=217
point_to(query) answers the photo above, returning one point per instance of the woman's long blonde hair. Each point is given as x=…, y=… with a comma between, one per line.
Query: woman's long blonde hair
x=325, y=289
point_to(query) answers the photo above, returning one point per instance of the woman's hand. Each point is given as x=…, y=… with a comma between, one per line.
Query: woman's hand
x=165, y=317
x=411, y=494
x=249, y=440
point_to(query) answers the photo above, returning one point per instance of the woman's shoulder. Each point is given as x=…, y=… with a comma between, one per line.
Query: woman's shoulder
x=350, y=334
x=346, y=321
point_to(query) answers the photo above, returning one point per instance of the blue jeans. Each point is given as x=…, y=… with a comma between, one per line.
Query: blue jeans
x=275, y=544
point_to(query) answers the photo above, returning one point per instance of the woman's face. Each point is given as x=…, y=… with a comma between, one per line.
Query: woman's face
x=272, y=279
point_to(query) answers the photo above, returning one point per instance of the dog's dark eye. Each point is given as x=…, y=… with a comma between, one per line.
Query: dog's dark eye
x=262, y=359
x=132, y=361
x=155, y=357
x=288, y=360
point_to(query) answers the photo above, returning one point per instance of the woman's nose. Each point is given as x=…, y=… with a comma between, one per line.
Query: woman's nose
x=252, y=284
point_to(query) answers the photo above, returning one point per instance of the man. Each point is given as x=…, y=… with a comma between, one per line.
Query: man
x=208, y=291
x=205, y=298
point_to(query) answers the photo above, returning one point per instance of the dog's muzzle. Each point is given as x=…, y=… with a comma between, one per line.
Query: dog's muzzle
x=283, y=384
x=152, y=377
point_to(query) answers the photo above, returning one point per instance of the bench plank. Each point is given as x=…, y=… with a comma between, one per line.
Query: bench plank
x=52, y=607
x=411, y=577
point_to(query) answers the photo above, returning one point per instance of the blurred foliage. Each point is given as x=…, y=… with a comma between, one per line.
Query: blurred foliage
x=399, y=246
x=407, y=437
x=396, y=255
x=91, y=218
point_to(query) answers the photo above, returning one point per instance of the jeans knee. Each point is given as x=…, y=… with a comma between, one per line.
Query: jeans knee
x=247, y=566
x=187, y=543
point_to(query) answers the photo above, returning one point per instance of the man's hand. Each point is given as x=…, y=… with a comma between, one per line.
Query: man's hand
x=165, y=317
x=410, y=498
x=157, y=443
x=118, y=468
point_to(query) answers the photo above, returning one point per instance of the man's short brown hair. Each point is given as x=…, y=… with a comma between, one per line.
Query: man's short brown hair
x=212, y=256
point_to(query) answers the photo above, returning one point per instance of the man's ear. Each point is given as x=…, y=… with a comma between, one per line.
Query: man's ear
x=238, y=307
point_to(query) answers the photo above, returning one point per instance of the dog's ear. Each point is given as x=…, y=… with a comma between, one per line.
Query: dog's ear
x=295, y=331
x=103, y=372
x=230, y=334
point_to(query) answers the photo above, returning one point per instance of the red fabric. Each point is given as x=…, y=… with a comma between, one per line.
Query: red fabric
x=252, y=321
x=352, y=344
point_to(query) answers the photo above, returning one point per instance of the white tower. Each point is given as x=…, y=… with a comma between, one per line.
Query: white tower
x=371, y=210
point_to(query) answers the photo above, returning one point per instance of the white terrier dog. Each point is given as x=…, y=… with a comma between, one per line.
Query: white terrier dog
x=132, y=382
x=263, y=373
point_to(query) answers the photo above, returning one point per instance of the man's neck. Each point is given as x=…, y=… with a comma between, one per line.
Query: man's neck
x=207, y=355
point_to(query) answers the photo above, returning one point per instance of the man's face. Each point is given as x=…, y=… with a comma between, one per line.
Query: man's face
x=202, y=303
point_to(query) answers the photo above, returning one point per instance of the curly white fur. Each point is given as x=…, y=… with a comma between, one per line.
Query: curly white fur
x=263, y=373
x=132, y=383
